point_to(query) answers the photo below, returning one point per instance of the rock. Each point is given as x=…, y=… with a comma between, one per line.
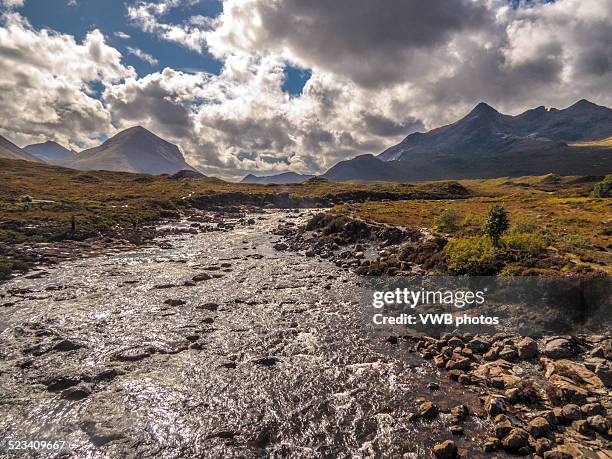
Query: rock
x=558, y=454
x=571, y=412
x=498, y=373
x=280, y=246
x=132, y=355
x=541, y=445
x=527, y=348
x=566, y=391
x=58, y=383
x=76, y=393
x=478, y=345
x=461, y=412
x=538, y=427
x=502, y=428
x=440, y=361
x=462, y=363
x=577, y=373
x=428, y=410
x=432, y=386
x=209, y=306
x=491, y=445
x=266, y=361
x=593, y=409
x=201, y=277
x=516, y=439
x=581, y=426
x=66, y=345
x=559, y=348
x=456, y=429
x=446, y=450
x=174, y=302
x=455, y=342
x=604, y=372
x=598, y=423
x=494, y=405
x=508, y=353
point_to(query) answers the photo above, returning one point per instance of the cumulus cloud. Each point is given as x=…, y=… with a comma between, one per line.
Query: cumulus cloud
x=12, y=3
x=46, y=83
x=379, y=71
x=140, y=54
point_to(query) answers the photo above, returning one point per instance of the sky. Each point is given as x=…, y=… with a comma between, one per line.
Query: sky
x=265, y=86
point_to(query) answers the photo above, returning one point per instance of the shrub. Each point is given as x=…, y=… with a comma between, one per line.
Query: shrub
x=530, y=243
x=604, y=188
x=576, y=240
x=497, y=223
x=448, y=221
x=476, y=256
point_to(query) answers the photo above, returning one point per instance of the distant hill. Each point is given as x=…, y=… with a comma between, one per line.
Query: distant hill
x=133, y=150
x=488, y=144
x=9, y=150
x=485, y=131
x=50, y=151
x=279, y=179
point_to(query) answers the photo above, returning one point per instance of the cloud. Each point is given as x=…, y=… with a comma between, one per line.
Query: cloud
x=47, y=83
x=12, y=3
x=122, y=35
x=379, y=71
x=140, y=54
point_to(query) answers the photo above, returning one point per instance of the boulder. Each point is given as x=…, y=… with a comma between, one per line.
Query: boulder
x=559, y=348
x=446, y=450
x=516, y=439
x=527, y=348
x=538, y=427
x=428, y=410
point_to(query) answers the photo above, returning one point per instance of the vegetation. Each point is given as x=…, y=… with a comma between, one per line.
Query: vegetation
x=448, y=221
x=604, y=188
x=497, y=224
x=554, y=226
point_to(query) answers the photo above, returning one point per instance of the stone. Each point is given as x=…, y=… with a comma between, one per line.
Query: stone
x=502, y=428
x=491, y=445
x=446, y=450
x=67, y=345
x=439, y=361
x=593, y=409
x=541, y=445
x=494, y=405
x=598, y=423
x=527, y=348
x=538, y=427
x=558, y=454
x=461, y=412
x=280, y=246
x=508, y=353
x=604, y=372
x=581, y=426
x=462, y=363
x=76, y=393
x=432, y=386
x=456, y=429
x=516, y=439
x=571, y=412
x=201, y=277
x=478, y=345
x=559, y=348
x=578, y=373
x=174, y=302
x=209, y=306
x=428, y=410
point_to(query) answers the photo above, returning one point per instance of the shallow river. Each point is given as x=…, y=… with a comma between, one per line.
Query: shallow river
x=265, y=359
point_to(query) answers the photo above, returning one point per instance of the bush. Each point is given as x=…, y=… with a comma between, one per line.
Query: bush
x=448, y=221
x=576, y=240
x=476, y=256
x=604, y=188
x=497, y=223
x=529, y=243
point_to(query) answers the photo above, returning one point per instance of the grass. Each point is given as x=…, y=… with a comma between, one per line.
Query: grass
x=101, y=200
x=559, y=208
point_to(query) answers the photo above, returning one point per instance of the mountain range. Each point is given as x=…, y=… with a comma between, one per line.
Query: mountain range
x=487, y=144
x=280, y=179
x=483, y=144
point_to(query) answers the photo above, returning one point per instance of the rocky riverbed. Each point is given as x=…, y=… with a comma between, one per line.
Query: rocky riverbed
x=217, y=341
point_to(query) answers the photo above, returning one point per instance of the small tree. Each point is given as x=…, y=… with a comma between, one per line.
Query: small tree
x=26, y=201
x=604, y=188
x=497, y=224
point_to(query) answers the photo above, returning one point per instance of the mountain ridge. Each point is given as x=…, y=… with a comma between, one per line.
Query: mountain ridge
x=9, y=150
x=50, y=151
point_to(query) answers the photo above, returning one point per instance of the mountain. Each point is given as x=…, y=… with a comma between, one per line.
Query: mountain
x=133, y=150
x=50, y=151
x=11, y=151
x=280, y=179
x=487, y=144
x=486, y=131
